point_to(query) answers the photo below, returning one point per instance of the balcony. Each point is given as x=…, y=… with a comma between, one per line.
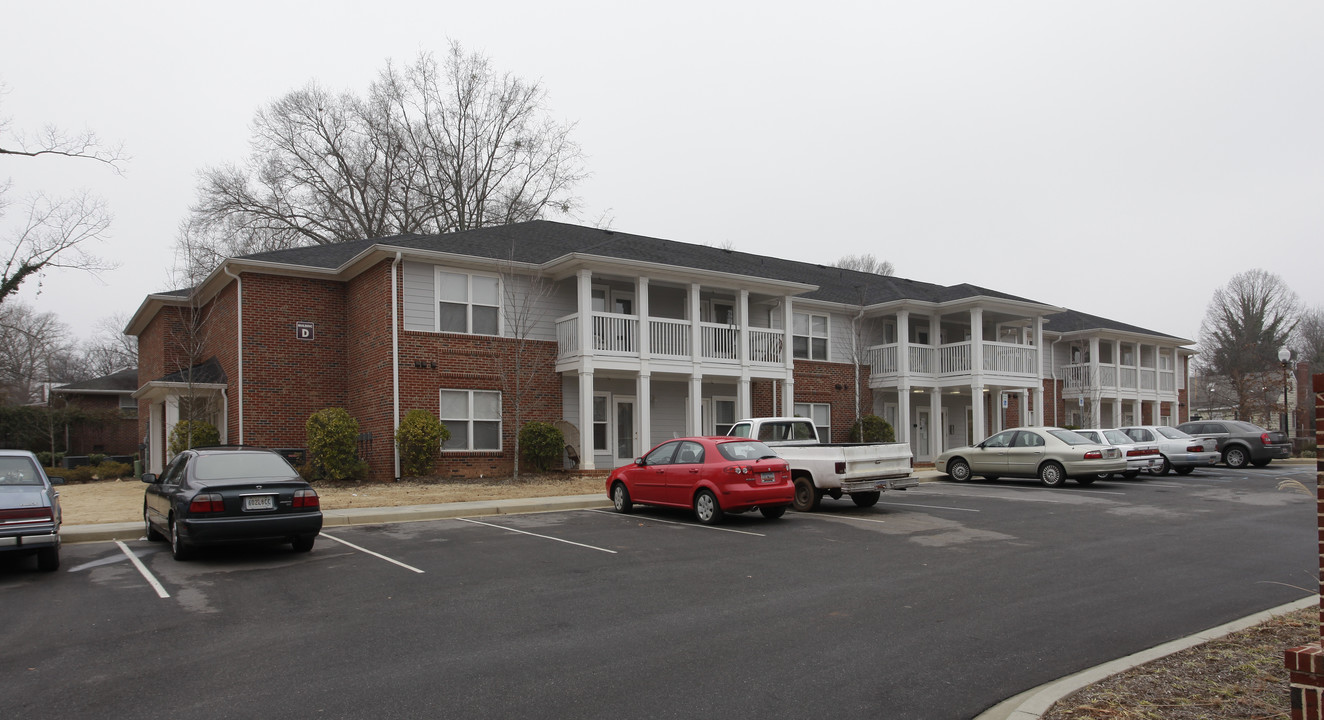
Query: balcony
x=618, y=335
x=953, y=360
x=1080, y=378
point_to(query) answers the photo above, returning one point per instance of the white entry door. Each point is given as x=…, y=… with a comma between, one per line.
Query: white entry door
x=919, y=442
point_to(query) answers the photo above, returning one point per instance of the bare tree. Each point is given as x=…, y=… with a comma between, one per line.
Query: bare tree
x=866, y=262
x=431, y=148
x=110, y=350
x=1310, y=339
x=524, y=308
x=54, y=232
x=1245, y=324
x=32, y=344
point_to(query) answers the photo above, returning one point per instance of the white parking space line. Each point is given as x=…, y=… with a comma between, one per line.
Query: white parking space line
x=147, y=574
x=1040, y=489
x=685, y=524
x=544, y=537
x=376, y=555
x=827, y=516
x=1151, y=483
x=930, y=507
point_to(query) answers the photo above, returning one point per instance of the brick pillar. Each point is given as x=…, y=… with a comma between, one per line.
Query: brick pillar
x=1305, y=664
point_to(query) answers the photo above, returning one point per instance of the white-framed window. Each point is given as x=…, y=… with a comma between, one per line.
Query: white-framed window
x=468, y=303
x=821, y=414
x=473, y=418
x=601, y=422
x=724, y=414
x=809, y=336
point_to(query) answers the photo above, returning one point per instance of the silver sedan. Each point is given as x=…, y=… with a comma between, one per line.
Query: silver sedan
x=1048, y=453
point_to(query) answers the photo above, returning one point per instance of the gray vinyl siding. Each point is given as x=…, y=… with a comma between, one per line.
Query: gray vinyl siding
x=419, y=306
x=668, y=410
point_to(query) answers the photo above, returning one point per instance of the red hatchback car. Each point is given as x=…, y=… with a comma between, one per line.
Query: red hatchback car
x=712, y=475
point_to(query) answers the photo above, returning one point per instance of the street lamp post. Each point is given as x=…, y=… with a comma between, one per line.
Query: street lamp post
x=1285, y=357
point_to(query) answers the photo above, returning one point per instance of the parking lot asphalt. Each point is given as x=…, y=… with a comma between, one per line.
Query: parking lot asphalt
x=927, y=527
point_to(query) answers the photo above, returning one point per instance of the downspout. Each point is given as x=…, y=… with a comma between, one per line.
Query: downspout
x=395, y=363
x=239, y=313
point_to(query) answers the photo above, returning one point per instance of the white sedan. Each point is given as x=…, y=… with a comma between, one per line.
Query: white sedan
x=1048, y=453
x=1139, y=456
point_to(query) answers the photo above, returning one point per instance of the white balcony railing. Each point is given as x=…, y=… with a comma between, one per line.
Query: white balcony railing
x=615, y=334
x=1010, y=358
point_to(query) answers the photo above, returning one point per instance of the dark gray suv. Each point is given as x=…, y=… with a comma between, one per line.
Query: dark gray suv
x=1242, y=443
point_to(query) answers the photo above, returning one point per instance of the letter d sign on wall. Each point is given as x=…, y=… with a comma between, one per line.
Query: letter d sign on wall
x=303, y=330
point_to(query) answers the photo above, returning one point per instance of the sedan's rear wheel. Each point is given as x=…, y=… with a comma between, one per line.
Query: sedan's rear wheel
x=304, y=543
x=806, y=495
x=772, y=513
x=178, y=548
x=1260, y=463
x=1183, y=470
x=620, y=498
x=1131, y=474
x=866, y=499
x=1052, y=475
x=1089, y=479
x=1162, y=469
x=706, y=508
x=1101, y=476
x=48, y=559
x=1236, y=457
x=958, y=470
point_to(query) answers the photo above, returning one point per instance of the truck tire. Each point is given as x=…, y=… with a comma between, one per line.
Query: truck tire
x=773, y=512
x=866, y=499
x=806, y=495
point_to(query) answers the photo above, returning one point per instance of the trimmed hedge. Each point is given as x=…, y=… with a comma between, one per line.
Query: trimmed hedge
x=333, y=447
x=419, y=439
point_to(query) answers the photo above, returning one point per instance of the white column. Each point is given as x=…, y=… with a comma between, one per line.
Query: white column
x=586, y=459
x=1044, y=357
x=696, y=334
x=903, y=345
x=903, y=421
x=694, y=422
x=742, y=328
x=584, y=280
x=1023, y=407
x=171, y=419
x=788, y=396
x=645, y=334
x=155, y=435
x=978, y=431
x=643, y=389
x=788, y=385
x=936, y=428
x=744, y=399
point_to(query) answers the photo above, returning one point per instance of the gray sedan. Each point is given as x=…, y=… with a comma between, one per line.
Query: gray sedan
x=1048, y=453
x=29, y=509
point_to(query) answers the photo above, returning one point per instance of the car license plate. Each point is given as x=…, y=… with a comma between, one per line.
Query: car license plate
x=260, y=502
x=768, y=477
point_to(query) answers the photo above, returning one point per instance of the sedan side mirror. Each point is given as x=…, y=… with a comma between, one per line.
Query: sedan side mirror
x=149, y=478
x=56, y=480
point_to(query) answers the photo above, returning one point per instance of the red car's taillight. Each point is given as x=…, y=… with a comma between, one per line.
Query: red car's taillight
x=27, y=515
x=736, y=470
x=207, y=503
x=1094, y=455
x=306, y=499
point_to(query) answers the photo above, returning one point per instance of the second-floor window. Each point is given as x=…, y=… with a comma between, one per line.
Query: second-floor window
x=468, y=303
x=809, y=334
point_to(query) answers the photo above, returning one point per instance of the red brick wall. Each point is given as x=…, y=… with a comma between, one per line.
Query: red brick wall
x=1305, y=664
x=115, y=436
x=287, y=379
x=819, y=382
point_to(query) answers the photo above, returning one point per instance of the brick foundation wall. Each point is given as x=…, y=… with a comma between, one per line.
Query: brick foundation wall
x=1305, y=664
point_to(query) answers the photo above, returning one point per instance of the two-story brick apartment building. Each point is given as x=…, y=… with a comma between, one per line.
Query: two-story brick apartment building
x=630, y=339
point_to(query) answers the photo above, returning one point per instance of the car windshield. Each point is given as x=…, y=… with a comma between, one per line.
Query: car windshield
x=1071, y=438
x=752, y=450
x=1172, y=433
x=238, y=466
x=18, y=471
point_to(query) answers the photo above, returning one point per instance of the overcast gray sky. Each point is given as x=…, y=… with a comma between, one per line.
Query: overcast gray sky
x=1119, y=158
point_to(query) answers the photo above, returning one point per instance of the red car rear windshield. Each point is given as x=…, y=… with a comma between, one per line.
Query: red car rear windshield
x=749, y=450
x=239, y=466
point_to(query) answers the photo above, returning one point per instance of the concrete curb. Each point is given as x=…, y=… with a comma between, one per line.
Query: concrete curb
x=1032, y=704
x=372, y=516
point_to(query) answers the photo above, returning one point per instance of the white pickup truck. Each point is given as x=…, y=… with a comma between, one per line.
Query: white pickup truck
x=861, y=470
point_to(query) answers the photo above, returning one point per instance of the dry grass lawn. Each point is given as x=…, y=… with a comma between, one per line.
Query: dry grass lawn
x=112, y=501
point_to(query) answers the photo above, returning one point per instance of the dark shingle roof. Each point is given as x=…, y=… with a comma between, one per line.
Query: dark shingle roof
x=540, y=241
x=121, y=381
x=1074, y=321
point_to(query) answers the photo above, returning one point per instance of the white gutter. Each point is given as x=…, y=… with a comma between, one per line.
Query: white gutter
x=395, y=364
x=239, y=313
